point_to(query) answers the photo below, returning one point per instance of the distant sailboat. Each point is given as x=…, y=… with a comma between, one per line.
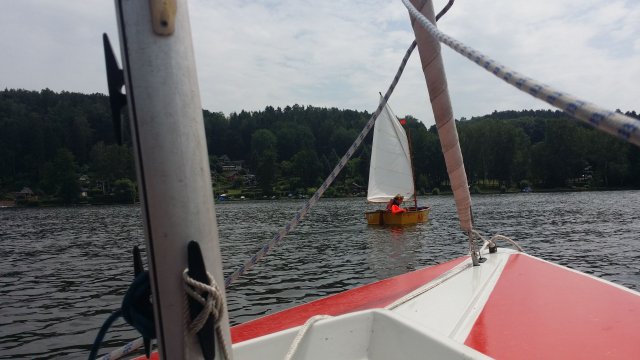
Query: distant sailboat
x=391, y=172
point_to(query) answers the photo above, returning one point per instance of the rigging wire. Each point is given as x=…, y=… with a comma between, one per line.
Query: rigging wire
x=325, y=185
x=614, y=123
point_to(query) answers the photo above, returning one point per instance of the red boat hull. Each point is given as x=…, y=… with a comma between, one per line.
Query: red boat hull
x=535, y=310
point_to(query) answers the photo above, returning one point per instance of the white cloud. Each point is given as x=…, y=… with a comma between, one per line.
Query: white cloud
x=54, y=44
x=313, y=54
x=251, y=54
x=554, y=42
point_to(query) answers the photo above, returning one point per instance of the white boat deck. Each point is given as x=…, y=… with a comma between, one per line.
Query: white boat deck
x=511, y=306
x=370, y=334
x=452, y=308
x=434, y=319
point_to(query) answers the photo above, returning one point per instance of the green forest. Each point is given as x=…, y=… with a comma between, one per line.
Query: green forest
x=60, y=148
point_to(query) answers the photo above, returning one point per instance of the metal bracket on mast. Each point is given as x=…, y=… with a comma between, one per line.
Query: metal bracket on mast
x=115, y=82
x=473, y=250
x=476, y=257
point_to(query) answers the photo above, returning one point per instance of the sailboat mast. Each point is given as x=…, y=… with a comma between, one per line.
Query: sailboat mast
x=413, y=170
x=172, y=163
x=433, y=68
x=432, y=65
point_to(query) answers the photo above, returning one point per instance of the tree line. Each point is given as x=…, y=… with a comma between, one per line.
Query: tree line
x=546, y=149
x=62, y=144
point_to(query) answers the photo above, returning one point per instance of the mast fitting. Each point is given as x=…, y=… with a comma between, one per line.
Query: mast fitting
x=163, y=16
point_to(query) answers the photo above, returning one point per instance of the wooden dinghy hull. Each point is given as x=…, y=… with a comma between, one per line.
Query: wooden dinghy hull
x=381, y=217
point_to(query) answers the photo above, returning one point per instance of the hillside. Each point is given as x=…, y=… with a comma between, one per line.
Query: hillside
x=62, y=144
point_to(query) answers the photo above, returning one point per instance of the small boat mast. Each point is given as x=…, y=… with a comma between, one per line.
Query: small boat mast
x=172, y=165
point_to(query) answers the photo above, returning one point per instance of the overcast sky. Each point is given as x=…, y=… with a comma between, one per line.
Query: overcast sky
x=251, y=54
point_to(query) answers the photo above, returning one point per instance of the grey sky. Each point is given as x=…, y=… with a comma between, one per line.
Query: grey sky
x=251, y=54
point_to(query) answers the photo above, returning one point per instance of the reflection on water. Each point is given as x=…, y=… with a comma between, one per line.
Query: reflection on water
x=64, y=270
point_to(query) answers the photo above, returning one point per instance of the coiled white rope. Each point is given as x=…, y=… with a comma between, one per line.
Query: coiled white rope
x=212, y=302
x=611, y=122
x=210, y=297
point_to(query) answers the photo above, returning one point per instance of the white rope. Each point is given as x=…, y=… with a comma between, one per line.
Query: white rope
x=611, y=122
x=210, y=297
x=492, y=240
x=303, y=330
x=213, y=304
x=125, y=350
x=502, y=237
x=485, y=242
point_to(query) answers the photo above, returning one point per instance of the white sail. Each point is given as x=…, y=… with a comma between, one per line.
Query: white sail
x=390, y=170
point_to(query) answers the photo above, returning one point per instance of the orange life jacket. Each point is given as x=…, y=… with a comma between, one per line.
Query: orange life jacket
x=394, y=207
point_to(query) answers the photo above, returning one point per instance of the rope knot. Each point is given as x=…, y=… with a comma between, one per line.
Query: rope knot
x=209, y=296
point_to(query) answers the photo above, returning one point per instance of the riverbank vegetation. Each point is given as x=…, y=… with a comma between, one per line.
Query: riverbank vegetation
x=60, y=148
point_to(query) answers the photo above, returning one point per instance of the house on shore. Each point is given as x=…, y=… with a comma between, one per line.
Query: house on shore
x=26, y=194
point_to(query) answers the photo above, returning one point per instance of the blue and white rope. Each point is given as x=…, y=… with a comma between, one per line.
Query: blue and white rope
x=125, y=350
x=325, y=185
x=611, y=122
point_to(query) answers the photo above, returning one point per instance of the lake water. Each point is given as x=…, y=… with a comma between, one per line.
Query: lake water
x=64, y=270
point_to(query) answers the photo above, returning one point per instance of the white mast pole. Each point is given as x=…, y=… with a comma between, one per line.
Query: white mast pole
x=172, y=161
x=432, y=65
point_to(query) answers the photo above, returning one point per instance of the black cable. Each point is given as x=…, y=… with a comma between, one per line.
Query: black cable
x=103, y=331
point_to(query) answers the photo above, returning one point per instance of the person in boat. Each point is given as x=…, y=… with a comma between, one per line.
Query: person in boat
x=394, y=205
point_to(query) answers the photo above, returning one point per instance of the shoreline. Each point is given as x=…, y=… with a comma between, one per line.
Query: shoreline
x=11, y=205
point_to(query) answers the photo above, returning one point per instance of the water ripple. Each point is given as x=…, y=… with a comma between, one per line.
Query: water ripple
x=64, y=270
